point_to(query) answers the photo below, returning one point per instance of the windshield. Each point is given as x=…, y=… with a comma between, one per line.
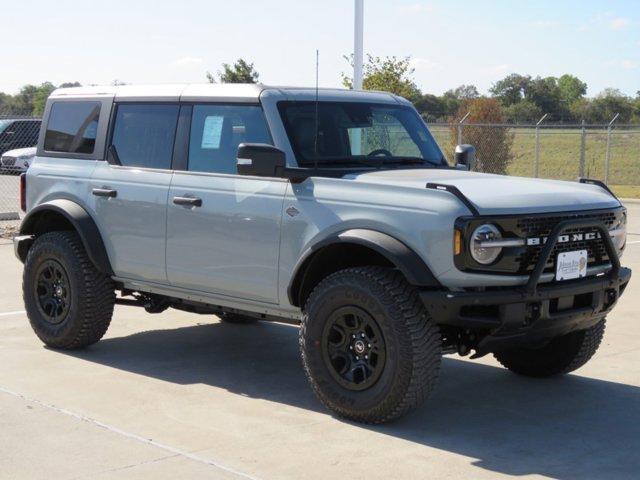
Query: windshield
x=358, y=133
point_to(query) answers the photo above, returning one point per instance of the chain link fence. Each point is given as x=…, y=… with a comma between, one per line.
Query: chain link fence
x=18, y=136
x=565, y=152
x=610, y=153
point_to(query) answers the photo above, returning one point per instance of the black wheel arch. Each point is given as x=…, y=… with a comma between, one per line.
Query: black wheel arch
x=63, y=214
x=383, y=250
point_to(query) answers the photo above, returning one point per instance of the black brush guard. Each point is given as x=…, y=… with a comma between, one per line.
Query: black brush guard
x=533, y=313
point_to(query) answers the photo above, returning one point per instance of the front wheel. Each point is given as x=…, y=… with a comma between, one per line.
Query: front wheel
x=369, y=348
x=561, y=355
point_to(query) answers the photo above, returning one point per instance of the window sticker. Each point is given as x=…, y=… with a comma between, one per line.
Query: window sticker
x=212, y=132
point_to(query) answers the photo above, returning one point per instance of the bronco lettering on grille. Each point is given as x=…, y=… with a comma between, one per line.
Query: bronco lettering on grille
x=571, y=237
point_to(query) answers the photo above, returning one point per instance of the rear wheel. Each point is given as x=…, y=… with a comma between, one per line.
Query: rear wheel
x=69, y=303
x=369, y=348
x=561, y=355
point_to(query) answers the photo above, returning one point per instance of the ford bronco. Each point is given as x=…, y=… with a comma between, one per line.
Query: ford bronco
x=333, y=209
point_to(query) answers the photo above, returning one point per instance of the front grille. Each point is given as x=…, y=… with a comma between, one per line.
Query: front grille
x=522, y=260
x=8, y=161
x=542, y=226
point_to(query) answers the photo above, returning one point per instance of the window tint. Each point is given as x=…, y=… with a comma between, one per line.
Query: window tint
x=216, y=132
x=143, y=134
x=72, y=127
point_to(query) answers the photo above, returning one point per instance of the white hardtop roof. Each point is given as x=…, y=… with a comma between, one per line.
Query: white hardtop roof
x=230, y=92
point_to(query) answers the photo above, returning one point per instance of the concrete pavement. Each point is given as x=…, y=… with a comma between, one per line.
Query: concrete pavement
x=178, y=395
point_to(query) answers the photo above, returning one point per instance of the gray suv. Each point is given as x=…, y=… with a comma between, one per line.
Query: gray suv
x=333, y=209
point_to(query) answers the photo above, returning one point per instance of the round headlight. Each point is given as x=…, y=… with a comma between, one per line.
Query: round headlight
x=485, y=255
x=619, y=234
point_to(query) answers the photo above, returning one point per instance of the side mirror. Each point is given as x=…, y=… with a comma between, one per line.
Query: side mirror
x=465, y=157
x=260, y=160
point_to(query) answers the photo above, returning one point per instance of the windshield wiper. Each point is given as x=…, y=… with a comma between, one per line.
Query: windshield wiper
x=373, y=162
x=342, y=161
x=403, y=160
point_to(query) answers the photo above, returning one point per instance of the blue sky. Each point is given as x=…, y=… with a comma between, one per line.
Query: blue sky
x=451, y=42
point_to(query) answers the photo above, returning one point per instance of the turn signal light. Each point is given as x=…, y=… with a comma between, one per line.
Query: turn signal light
x=457, y=242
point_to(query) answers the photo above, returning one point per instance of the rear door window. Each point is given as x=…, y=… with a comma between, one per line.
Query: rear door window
x=72, y=127
x=143, y=134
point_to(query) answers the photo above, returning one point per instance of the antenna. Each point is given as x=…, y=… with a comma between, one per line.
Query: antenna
x=315, y=147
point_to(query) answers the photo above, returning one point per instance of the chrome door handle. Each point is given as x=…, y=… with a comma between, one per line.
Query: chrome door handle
x=188, y=201
x=104, y=192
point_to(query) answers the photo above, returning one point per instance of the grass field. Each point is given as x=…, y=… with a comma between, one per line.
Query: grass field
x=560, y=155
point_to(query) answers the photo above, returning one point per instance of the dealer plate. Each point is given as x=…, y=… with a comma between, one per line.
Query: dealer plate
x=571, y=265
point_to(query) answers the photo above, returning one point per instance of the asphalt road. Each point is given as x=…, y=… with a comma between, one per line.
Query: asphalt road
x=178, y=395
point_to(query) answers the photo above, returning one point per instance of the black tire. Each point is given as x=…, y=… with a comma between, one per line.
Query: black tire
x=89, y=295
x=411, y=353
x=560, y=356
x=228, y=317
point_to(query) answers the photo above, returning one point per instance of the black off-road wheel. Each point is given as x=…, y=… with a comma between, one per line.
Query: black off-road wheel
x=228, y=317
x=369, y=348
x=560, y=356
x=69, y=303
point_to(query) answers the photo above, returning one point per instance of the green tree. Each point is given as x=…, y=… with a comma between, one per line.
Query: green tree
x=524, y=111
x=492, y=143
x=604, y=107
x=240, y=72
x=464, y=92
x=40, y=98
x=571, y=88
x=545, y=93
x=389, y=74
x=511, y=89
x=30, y=100
x=609, y=102
x=432, y=108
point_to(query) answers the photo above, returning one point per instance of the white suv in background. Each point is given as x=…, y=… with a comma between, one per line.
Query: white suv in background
x=17, y=161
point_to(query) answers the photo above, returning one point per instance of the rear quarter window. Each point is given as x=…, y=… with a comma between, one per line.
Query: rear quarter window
x=72, y=127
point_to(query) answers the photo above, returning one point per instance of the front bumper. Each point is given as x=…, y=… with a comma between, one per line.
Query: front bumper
x=531, y=314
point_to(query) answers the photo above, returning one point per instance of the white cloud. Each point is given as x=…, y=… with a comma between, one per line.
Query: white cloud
x=619, y=23
x=187, y=62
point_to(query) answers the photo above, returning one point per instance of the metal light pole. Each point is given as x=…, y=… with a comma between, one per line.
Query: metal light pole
x=358, y=60
x=358, y=51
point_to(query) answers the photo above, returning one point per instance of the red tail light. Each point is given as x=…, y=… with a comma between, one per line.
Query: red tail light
x=23, y=192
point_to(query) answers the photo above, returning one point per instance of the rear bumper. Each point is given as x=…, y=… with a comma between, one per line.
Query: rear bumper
x=531, y=314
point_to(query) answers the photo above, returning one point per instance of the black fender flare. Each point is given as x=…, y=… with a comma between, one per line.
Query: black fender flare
x=399, y=254
x=81, y=221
